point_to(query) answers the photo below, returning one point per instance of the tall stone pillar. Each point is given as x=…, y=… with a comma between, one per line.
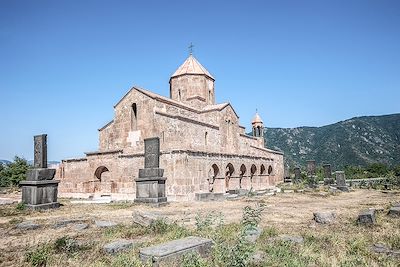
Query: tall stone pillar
x=311, y=173
x=40, y=191
x=328, y=180
x=150, y=186
x=297, y=175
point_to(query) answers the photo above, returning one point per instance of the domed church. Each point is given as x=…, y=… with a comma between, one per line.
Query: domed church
x=203, y=147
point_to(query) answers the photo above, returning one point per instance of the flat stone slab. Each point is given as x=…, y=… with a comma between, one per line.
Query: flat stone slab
x=105, y=224
x=367, y=217
x=66, y=222
x=118, y=246
x=205, y=197
x=325, y=217
x=171, y=253
x=28, y=226
x=394, y=212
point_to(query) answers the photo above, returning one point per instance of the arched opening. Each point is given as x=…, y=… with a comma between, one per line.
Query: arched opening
x=253, y=170
x=215, y=170
x=206, y=138
x=212, y=175
x=99, y=171
x=179, y=95
x=134, y=117
x=243, y=170
x=228, y=174
x=270, y=170
x=262, y=169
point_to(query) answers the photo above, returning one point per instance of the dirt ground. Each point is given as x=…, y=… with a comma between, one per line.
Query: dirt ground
x=287, y=212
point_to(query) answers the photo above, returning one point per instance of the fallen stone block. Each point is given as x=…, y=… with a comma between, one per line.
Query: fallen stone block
x=171, y=253
x=367, y=217
x=118, y=246
x=105, y=224
x=394, y=212
x=145, y=219
x=325, y=217
x=81, y=226
x=28, y=226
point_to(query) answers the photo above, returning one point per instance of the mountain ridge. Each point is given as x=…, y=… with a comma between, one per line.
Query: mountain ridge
x=358, y=141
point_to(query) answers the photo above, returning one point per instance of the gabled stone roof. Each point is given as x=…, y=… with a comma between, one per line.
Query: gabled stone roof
x=191, y=66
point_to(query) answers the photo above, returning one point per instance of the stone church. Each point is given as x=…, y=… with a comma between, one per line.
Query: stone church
x=203, y=146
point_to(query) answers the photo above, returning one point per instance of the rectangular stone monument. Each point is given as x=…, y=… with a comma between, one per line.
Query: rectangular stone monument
x=297, y=175
x=171, y=253
x=328, y=180
x=311, y=167
x=40, y=191
x=150, y=186
x=40, y=151
x=341, y=181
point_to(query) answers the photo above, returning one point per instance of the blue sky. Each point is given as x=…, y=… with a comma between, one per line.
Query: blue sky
x=64, y=64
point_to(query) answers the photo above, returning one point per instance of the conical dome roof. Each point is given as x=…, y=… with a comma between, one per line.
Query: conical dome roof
x=191, y=66
x=257, y=119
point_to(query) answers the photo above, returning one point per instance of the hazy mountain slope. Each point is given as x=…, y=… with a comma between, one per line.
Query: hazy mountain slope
x=357, y=141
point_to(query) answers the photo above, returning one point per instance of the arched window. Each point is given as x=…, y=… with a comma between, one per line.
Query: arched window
x=134, y=117
x=206, y=138
x=179, y=95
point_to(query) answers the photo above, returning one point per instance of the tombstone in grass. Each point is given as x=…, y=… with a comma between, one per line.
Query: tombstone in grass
x=311, y=173
x=297, y=175
x=328, y=180
x=40, y=191
x=341, y=181
x=150, y=186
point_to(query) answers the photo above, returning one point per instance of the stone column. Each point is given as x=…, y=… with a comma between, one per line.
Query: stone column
x=150, y=186
x=40, y=191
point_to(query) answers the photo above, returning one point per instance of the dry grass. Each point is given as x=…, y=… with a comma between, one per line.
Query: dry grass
x=343, y=243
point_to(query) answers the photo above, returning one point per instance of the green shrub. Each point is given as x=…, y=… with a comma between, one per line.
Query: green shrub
x=21, y=206
x=39, y=257
x=193, y=260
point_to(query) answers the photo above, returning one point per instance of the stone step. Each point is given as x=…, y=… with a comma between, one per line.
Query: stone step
x=171, y=253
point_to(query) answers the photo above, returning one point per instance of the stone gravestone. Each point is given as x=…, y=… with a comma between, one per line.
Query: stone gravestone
x=311, y=167
x=328, y=180
x=341, y=181
x=150, y=186
x=297, y=175
x=311, y=173
x=40, y=191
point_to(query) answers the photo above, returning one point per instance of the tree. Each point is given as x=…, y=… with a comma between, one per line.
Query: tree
x=377, y=170
x=13, y=173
